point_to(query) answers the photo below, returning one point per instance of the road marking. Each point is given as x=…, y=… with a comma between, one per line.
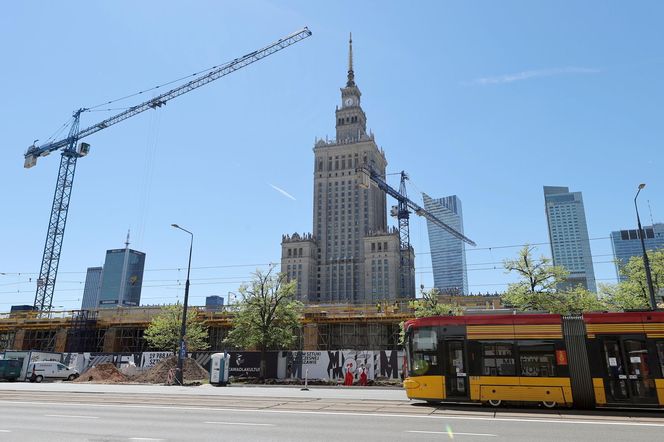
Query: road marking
x=240, y=423
x=340, y=413
x=144, y=438
x=453, y=434
x=72, y=416
x=5, y=431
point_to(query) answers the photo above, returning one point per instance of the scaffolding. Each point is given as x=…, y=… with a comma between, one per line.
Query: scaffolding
x=82, y=335
x=7, y=340
x=358, y=336
x=40, y=340
x=130, y=340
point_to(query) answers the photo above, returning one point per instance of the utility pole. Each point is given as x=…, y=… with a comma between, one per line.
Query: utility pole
x=646, y=261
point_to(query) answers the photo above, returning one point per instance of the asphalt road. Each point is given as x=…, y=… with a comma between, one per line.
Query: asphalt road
x=119, y=413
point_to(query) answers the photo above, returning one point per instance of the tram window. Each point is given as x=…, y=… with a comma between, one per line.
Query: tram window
x=498, y=359
x=425, y=339
x=425, y=363
x=424, y=359
x=537, y=359
x=660, y=356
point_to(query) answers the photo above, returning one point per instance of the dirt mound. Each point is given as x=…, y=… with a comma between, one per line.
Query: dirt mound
x=159, y=373
x=105, y=373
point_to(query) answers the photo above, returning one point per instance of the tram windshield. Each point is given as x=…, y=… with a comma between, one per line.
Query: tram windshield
x=422, y=351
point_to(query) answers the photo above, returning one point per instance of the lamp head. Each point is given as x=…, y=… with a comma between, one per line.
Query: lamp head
x=175, y=225
x=641, y=186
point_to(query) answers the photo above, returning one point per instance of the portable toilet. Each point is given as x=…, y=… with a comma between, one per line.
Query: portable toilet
x=219, y=368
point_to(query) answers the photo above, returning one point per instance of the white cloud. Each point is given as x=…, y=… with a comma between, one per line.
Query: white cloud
x=526, y=75
x=282, y=191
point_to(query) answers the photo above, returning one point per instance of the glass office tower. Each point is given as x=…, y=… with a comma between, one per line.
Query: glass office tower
x=123, y=278
x=448, y=254
x=92, y=289
x=568, y=234
x=627, y=243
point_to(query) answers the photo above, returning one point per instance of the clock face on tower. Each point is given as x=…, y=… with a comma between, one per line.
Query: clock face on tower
x=349, y=102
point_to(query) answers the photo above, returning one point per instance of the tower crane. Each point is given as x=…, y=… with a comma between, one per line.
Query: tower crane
x=71, y=152
x=402, y=213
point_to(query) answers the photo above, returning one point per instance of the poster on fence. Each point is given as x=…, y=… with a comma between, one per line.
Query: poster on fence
x=334, y=365
x=247, y=364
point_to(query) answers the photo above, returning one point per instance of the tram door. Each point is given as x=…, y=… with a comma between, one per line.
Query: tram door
x=629, y=377
x=456, y=379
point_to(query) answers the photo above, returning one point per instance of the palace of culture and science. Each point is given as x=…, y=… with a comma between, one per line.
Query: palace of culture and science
x=351, y=256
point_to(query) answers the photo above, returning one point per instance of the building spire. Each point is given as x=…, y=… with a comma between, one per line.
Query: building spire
x=351, y=74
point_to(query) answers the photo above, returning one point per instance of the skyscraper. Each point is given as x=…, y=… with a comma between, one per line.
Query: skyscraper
x=448, y=254
x=568, y=235
x=92, y=289
x=351, y=256
x=122, y=278
x=627, y=243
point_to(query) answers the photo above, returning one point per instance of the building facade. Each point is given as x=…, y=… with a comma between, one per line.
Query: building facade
x=335, y=263
x=448, y=254
x=627, y=243
x=122, y=278
x=92, y=288
x=568, y=235
x=214, y=303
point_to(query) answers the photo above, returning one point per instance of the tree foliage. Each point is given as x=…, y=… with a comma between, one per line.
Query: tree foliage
x=633, y=292
x=268, y=315
x=163, y=333
x=540, y=280
x=429, y=305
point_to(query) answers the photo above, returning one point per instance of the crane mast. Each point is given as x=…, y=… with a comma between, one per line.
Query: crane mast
x=59, y=209
x=402, y=212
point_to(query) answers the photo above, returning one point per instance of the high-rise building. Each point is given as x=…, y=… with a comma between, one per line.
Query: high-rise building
x=122, y=278
x=627, y=243
x=448, y=254
x=568, y=235
x=214, y=303
x=351, y=256
x=92, y=288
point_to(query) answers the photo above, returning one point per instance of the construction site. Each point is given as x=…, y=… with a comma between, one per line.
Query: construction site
x=343, y=315
x=323, y=327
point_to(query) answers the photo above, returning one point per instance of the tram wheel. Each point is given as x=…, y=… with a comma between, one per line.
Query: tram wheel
x=495, y=402
x=550, y=404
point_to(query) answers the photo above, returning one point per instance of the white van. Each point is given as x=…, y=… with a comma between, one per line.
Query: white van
x=38, y=371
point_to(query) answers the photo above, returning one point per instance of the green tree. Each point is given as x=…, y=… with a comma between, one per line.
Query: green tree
x=429, y=305
x=538, y=287
x=633, y=292
x=268, y=315
x=635, y=273
x=163, y=333
x=621, y=297
x=539, y=280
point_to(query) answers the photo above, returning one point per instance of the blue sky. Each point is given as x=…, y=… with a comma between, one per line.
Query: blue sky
x=484, y=99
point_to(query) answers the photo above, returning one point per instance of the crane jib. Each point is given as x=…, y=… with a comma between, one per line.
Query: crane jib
x=153, y=103
x=56, y=228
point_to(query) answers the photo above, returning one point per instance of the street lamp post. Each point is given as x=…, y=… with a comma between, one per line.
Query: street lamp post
x=646, y=261
x=179, y=375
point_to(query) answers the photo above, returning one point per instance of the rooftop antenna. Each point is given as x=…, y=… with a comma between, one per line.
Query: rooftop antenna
x=127, y=240
x=652, y=222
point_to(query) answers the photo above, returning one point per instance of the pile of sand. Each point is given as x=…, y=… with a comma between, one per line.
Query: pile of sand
x=105, y=373
x=159, y=373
